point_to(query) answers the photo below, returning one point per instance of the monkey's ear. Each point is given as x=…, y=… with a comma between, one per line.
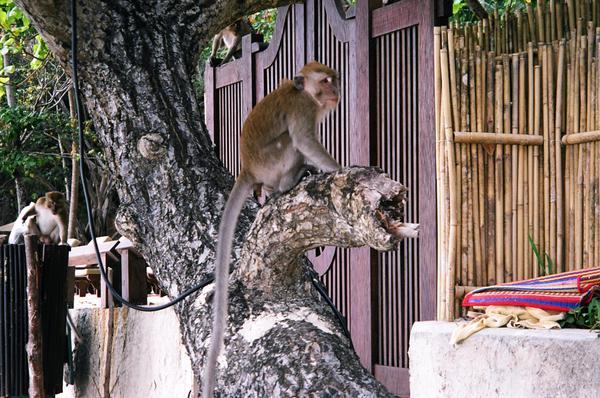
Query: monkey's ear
x=299, y=82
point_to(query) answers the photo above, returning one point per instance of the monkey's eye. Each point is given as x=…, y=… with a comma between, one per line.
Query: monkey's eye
x=328, y=79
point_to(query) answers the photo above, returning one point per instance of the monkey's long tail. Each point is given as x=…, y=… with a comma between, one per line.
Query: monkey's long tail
x=240, y=192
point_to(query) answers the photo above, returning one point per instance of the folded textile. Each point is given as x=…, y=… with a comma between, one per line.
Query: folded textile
x=513, y=317
x=559, y=292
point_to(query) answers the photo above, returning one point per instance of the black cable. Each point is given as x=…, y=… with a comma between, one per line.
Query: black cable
x=314, y=278
x=85, y=190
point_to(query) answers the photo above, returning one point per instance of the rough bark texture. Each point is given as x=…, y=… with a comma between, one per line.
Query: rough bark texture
x=136, y=63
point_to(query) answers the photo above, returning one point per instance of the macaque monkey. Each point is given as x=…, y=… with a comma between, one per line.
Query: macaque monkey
x=230, y=37
x=279, y=139
x=51, y=218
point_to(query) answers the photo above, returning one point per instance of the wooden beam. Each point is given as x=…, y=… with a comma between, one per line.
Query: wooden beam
x=498, y=139
x=581, y=138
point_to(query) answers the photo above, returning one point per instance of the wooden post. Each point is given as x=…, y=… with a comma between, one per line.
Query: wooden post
x=34, y=346
x=364, y=277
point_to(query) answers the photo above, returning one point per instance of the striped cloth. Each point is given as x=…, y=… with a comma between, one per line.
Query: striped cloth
x=559, y=292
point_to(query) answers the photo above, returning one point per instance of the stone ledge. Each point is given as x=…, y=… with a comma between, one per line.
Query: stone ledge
x=503, y=363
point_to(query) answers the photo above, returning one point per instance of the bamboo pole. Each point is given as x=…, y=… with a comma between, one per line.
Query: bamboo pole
x=579, y=160
x=490, y=192
x=538, y=209
x=499, y=178
x=546, y=164
x=468, y=228
x=507, y=177
x=552, y=152
x=597, y=146
x=540, y=22
x=571, y=14
x=571, y=170
x=519, y=29
x=461, y=159
x=477, y=200
x=552, y=15
x=453, y=82
x=522, y=209
x=530, y=151
x=452, y=182
x=532, y=28
x=35, y=343
x=559, y=20
x=515, y=165
x=560, y=225
x=585, y=137
x=592, y=169
x=497, y=138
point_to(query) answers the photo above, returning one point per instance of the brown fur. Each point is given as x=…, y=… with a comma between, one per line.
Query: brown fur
x=279, y=139
x=52, y=217
x=230, y=37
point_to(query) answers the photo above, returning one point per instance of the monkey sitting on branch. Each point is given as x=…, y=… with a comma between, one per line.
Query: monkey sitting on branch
x=279, y=141
x=49, y=220
x=231, y=38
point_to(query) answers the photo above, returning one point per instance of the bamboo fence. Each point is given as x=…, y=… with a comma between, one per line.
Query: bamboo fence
x=518, y=146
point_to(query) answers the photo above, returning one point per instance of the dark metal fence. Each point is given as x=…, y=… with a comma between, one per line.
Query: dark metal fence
x=14, y=377
x=384, y=55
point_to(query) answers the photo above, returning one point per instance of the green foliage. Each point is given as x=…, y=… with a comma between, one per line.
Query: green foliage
x=540, y=261
x=19, y=40
x=462, y=13
x=28, y=143
x=264, y=22
x=585, y=316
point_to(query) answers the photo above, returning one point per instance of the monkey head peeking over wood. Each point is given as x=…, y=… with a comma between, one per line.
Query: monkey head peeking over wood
x=279, y=141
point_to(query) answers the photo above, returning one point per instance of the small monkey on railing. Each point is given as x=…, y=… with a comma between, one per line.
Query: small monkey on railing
x=49, y=220
x=231, y=38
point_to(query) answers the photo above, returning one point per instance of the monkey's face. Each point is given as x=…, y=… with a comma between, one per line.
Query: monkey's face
x=324, y=88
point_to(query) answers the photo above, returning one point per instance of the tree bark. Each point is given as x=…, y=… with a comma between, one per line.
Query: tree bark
x=136, y=64
x=11, y=99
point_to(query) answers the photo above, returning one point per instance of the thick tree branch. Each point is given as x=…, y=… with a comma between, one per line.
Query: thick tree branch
x=351, y=208
x=275, y=314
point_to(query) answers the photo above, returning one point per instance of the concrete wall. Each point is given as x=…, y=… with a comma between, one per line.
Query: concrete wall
x=504, y=363
x=148, y=359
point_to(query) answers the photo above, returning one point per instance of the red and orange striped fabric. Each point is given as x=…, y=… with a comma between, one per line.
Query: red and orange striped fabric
x=559, y=292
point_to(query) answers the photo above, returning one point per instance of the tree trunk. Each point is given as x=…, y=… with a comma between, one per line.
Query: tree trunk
x=11, y=102
x=19, y=193
x=11, y=99
x=136, y=63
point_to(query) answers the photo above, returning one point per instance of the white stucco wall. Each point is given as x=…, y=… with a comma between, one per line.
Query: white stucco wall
x=148, y=359
x=504, y=363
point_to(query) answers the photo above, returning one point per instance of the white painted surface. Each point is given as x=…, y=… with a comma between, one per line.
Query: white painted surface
x=148, y=359
x=503, y=363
